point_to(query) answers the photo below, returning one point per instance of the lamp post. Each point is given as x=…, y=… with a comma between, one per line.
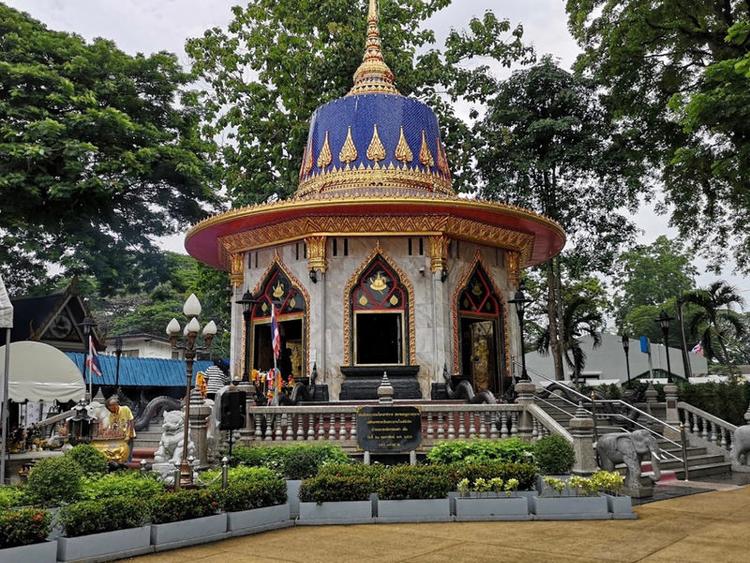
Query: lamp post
x=88, y=325
x=192, y=310
x=626, y=348
x=247, y=301
x=118, y=353
x=664, y=319
x=520, y=301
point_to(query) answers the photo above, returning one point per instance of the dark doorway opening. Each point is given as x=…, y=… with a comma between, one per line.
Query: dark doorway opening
x=379, y=338
x=290, y=359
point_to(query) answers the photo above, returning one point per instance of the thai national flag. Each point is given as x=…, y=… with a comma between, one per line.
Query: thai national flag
x=93, y=360
x=275, y=334
x=697, y=349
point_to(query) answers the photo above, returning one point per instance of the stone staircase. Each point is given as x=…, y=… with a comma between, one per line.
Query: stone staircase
x=701, y=462
x=146, y=442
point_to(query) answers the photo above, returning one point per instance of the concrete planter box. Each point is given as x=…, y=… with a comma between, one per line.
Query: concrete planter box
x=349, y=512
x=189, y=532
x=105, y=546
x=292, y=496
x=258, y=520
x=621, y=507
x=492, y=507
x=414, y=510
x=570, y=508
x=45, y=552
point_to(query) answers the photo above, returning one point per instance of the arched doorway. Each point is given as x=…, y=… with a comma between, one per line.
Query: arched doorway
x=480, y=333
x=291, y=308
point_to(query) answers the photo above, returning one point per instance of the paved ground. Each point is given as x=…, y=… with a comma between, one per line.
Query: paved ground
x=712, y=527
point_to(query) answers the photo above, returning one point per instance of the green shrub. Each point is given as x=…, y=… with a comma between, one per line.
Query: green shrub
x=414, y=482
x=106, y=515
x=239, y=474
x=184, y=505
x=23, y=527
x=249, y=495
x=727, y=400
x=12, y=497
x=55, y=480
x=294, y=462
x=336, y=488
x=554, y=454
x=479, y=451
x=91, y=460
x=131, y=484
x=524, y=473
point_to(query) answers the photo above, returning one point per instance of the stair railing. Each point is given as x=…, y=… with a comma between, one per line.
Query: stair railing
x=711, y=430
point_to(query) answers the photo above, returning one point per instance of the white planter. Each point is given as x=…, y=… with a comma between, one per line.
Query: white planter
x=105, y=546
x=259, y=520
x=189, y=532
x=499, y=507
x=414, y=510
x=350, y=512
x=45, y=552
x=292, y=496
x=621, y=507
x=570, y=508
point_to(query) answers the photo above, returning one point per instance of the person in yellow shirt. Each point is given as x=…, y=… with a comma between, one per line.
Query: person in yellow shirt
x=121, y=417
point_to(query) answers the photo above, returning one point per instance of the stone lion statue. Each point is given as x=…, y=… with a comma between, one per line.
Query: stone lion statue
x=171, y=443
x=98, y=411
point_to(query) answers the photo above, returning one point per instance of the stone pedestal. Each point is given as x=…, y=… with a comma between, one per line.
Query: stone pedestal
x=582, y=429
x=525, y=391
x=249, y=428
x=672, y=415
x=199, y=413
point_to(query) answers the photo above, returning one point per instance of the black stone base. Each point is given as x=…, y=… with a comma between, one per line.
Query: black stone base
x=361, y=384
x=438, y=392
x=321, y=393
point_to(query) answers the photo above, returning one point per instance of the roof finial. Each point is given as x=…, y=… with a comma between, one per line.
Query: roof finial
x=373, y=76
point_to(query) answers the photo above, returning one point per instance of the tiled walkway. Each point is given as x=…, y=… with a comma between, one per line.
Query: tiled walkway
x=710, y=527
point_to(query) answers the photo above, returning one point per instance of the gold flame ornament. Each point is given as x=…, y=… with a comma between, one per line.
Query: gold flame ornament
x=376, y=150
x=425, y=156
x=325, y=157
x=379, y=282
x=442, y=159
x=307, y=160
x=403, y=151
x=348, y=152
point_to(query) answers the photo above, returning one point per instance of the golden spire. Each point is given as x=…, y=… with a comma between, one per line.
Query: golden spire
x=325, y=158
x=373, y=76
x=425, y=156
x=348, y=151
x=376, y=150
x=403, y=150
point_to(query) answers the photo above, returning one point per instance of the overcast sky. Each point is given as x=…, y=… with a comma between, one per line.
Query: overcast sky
x=148, y=26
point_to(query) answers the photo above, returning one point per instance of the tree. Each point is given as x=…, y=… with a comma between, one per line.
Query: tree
x=547, y=144
x=100, y=152
x=716, y=321
x=278, y=60
x=648, y=275
x=678, y=74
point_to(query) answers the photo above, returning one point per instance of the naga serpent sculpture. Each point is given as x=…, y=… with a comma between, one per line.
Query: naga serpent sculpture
x=154, y=408
x=465, y=390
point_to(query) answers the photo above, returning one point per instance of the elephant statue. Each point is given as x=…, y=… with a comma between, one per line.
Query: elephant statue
x=629, y=448
x=741, y=446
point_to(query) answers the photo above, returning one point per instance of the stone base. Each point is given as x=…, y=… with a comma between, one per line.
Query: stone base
x=361, y=384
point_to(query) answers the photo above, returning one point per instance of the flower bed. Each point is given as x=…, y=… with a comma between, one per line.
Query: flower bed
x=591, y=499
x=23, y=535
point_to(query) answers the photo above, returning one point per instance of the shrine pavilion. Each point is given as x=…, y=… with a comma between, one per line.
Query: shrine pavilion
x=375, y=264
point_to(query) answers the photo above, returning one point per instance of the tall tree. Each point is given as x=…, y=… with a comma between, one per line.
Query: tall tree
x=278, y=60
x=678, y=73
x=547, y=144
x=100, y=152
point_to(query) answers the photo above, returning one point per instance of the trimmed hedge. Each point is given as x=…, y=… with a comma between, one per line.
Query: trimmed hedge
x=23, y=527
x=481, y=451
x=248, y=495
x=414, y=482
x=97, y=516
x=333, y=488
x=524, y=473
x=184, y=505
x=238, y=475
x=131, y=484
x=554, y=454
x=55, y=480
x=293, y=462
x=91, y=461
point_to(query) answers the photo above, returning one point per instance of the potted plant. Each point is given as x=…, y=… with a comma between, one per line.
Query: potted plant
x=584, y=504
x=493, y=499
x=23, y=537
x=186, y=517
x=610, y=484
x=105, y=529
x=331, y=498
x=414, y=494
x=256, y=506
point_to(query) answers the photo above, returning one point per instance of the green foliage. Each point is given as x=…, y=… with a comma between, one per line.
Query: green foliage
x=278, y=60
x=557, y=485
x=332, y=488
x=91, y=461
x=610, y=482
x=240, y=474
x=414, y=482
x=524, y=474
x=130, y=484
x=55, y=480
x=479, y=451
x=184, y=505
x=106, y=515
x=101, y=150
x=249, y=495
x=294, y=462
x=23, y=527
x=554, y=454
x=728, y=401
x=12, y=497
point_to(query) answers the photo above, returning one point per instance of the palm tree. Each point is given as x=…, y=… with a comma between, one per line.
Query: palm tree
x=580, y=317
x=715, y=320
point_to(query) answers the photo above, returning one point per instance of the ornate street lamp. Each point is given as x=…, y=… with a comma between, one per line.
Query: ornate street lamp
x=664, y=319
x=118, y=353
x=247, y=301
x=192, y=310
x=626, y=348
x=88, y=325
x=520, y=301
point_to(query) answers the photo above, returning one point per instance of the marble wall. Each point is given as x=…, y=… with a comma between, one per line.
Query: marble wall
x=433, y=320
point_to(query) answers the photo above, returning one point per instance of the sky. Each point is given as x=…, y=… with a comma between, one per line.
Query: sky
x=148, y=26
